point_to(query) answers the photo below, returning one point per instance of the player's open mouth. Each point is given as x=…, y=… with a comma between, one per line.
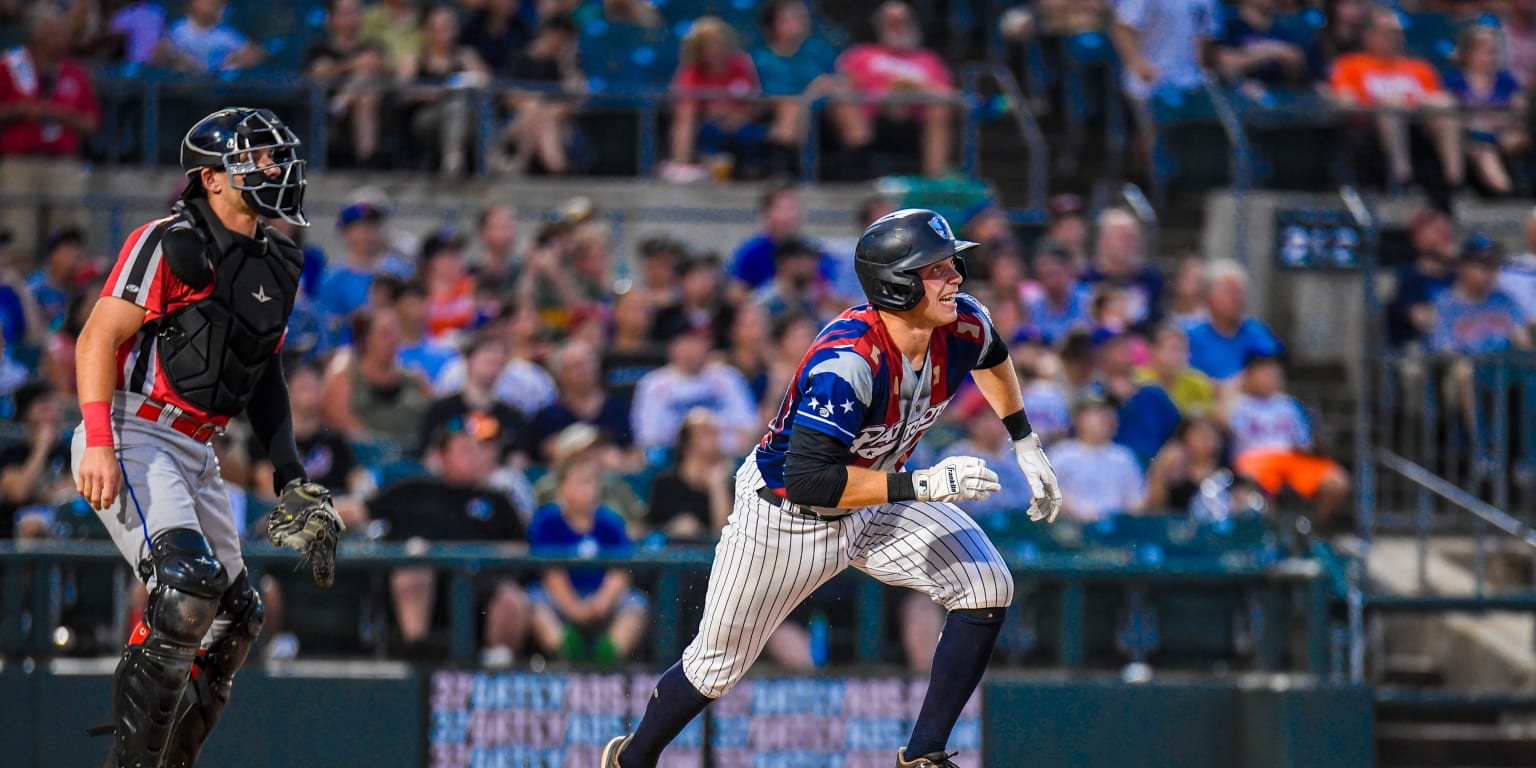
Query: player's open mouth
x=948, y=301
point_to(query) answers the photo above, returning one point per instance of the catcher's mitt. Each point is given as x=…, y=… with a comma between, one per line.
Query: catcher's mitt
x=306, y=521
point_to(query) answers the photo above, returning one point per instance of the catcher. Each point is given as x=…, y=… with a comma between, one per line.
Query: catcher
x=186, y=335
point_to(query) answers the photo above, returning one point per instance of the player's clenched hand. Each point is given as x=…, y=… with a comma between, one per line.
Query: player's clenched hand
x=957, y=478
x=1045, y=494
x=100, y=478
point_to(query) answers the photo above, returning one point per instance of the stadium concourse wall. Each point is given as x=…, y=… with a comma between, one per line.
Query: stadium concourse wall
x=391, y=715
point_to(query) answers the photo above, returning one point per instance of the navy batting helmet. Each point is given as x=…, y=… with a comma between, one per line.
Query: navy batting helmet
x=895, y=247
x=230, y=140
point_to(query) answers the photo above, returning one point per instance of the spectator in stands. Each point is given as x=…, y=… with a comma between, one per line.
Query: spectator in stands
x=1192, y=391
x=567, y=275
x=48, y=109
x=631, y=352
x=523, y=383
x=1099, y=478
x=702, y=120
x=1147, y=415
x=450, y=289
x=1518, y=277
x=327, y=456
x=1119, y=262
x=395, y=26
x=367, y=394
x=540, y=131
x=1219, y=345
x=583, y=448
x=420, y=352
x=59, y=355
x=1067, y=227
x=13, y=374
x=634, y=13
x=1519, y=26
x=34, y=473
x=1251, y=47
x=19, y=321
x=1344, y=27
x=1272, y=441
x=1185, y=306
x=1160, y=43
x=345, y=286
x=689, y=380
x=454, y=504
x=746, y=347
x=434, y=81
x=692, y=497
x=498, y=260
x=132, y=32
x=1062, y=302
x=781, y=213
x=659, y=257
x=1474, y=317
x=203, y=42
x=789, y=336
x=581, y=399
x=584, y=614
x=497, y=31
x=1196, y=452
x=1480, y=82
x=897, y=64
x=1045, y=398
x=796, y=67
x=701, y=301
x=62, y=256
x=1411, y=311
x=797, y=285
x=484, y=358
x=356, y=73
x=1381, y=76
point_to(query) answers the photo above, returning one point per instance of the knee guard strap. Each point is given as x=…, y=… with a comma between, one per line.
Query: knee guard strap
x=980, y=615
x=213, y=673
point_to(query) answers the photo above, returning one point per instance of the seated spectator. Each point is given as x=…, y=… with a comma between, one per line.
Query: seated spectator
x=523, y=383
x=203, y=42
x=747, y=348
x=1219, y=345
x=498, y=260
x=1272, y=441
x=1251, y=48
x=630, y=352
x=395, y=26
x=1120, y=263
x=659, y=257
x=450, y=289
x=13, y=374
x=1482, y=84
x=59, y=355
x=797, y=285
x=484, y=358
x=1185, y=306
x=19, y=319
x=1098, y=478
x=132, y=32
x=1192, y=391
x=1344, y=26
x=789, y=336
x=692, y=497
x=1474, y=317
x=701, y=301
x=497, y=31
x=62, y=256
x=356, y=74
x=1147, y=415
x=704, y=123
x=1382, y=76
x=540, y=132
x=365, y=254
x=454, y=504
x=1519, y=26
x=584, y=448
x=1067, y=227
x=1061, y=304
x=691, y=380
x=327, y=456
x=581, y=399
x=1045, y=399
x=584, y=614
x=896, y=63
x=567, y=275
x=781, y=214
x=1108, y=313
x=420, y=352
x=34, y=474
x=1196, y=452
x=367, y=394
x=1160, y=43
x=435, y=80
x=1518, y=277
x=796, y=67
x=1411, y=310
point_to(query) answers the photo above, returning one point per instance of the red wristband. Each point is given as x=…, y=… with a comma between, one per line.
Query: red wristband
x=98, y=424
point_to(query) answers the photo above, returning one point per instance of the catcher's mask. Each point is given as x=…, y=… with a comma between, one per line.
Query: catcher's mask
x=234, y=139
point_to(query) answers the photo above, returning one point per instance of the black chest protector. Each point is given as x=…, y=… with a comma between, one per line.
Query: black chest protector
x=214, y=350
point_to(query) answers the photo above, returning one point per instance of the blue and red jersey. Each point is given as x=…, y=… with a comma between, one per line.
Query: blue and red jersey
x=850, y=384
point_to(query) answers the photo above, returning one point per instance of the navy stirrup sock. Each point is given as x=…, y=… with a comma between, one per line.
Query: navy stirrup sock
x=674, y=704
x=964, y=649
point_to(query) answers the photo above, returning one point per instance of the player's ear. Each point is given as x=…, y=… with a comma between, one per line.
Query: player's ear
x=212, y=180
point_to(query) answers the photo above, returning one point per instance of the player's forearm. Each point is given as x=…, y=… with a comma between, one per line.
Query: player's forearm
x=271, y=418
x=867, y=487
x=95, y=365
x=1000, y=386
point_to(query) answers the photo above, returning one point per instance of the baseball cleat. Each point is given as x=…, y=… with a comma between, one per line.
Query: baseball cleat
x=930, y=760
x=611, y=752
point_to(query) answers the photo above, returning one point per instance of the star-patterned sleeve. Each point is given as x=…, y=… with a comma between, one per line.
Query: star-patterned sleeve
x=834, y=393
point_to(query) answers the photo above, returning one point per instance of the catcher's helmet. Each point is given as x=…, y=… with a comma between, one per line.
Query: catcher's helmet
x=229, y=140
x=897, y=245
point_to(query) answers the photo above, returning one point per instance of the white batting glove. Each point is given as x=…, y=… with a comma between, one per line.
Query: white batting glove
x=1045, y=503
x=957, y=478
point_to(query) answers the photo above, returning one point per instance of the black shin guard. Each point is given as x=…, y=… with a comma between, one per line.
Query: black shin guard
x=214, y=674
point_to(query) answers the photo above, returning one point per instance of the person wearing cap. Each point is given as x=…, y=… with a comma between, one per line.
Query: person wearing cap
x=34, y=473
x=1474, y=317
x=585, y=448
x=1147, y=415
x=1411, y=310
x=1272, y=440
x=454, y=503
x=344, y=288
x=1099, y=477
x=1219, y=345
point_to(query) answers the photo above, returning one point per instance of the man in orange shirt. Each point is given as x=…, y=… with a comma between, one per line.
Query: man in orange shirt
x=1382, y=77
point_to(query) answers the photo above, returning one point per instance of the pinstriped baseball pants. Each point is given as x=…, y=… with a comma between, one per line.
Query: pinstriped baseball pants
x=769, y=560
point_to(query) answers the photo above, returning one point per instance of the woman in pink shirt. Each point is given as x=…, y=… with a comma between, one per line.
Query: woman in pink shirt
x=713, y=65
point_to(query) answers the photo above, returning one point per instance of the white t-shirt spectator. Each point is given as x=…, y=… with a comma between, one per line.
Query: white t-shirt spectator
x=664, y=397
x=1098, y=480
x=522, y=385
x=1170, y=33
x=1275, y=423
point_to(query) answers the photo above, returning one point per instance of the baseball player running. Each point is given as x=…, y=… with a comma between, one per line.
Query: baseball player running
x=186, y=335
x=825, y=489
